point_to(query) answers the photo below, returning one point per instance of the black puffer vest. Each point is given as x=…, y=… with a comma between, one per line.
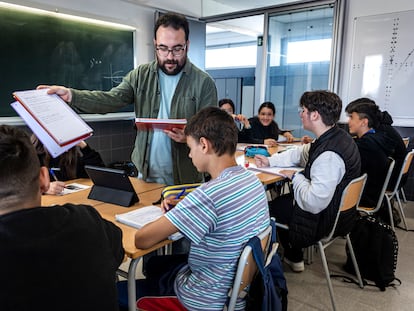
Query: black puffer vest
x=306, y=228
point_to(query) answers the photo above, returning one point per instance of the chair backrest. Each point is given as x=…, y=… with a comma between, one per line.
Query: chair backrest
x=383, y=190
x=246, y=269
x=406, y=141
x=350, y=198
x=404, y=170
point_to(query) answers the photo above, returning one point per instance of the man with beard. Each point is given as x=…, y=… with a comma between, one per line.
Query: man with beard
x=168, y=87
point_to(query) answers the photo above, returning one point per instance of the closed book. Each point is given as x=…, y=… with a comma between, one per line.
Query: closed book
x=159, y=124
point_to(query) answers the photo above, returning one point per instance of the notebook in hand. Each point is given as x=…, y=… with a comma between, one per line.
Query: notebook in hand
x=111, y=186
x=159, y=124
x=54, y=115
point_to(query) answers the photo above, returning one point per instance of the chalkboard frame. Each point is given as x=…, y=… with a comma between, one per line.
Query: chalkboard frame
x=41, y=48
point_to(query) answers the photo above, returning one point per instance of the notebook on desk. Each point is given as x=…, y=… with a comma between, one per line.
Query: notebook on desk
x=111, y=186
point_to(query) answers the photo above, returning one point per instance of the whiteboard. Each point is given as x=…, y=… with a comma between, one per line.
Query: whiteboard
x=383, y=63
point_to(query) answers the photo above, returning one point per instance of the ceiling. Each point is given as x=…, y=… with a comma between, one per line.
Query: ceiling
x=234, y=29
x=205, y=8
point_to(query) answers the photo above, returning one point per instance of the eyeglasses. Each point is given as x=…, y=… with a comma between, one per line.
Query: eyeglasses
x=176, y=51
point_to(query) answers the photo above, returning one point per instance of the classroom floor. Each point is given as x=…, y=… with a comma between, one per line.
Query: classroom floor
x=308, y=290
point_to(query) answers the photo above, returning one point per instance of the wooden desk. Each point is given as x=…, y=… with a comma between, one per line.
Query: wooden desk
x=147, y=193
x=108, y=211
x=81, y=197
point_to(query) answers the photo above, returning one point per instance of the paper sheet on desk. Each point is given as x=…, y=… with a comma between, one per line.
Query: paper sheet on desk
x=141, y=216
x=73, y=187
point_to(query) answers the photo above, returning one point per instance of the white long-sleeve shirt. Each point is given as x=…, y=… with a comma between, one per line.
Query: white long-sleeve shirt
x=326, y=172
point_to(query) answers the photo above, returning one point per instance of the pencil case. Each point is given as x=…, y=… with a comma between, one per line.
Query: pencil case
x=178, y=191
x=251, y=151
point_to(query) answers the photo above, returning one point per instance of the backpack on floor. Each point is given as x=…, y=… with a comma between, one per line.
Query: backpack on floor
x=376, y=250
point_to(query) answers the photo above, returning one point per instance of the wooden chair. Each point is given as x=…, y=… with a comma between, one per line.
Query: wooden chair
x=246, y=270
x=406, y=141
x=371, y=210
x=394, y=194
x=350, y=199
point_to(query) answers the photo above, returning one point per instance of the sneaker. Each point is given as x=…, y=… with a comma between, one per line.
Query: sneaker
x=295, y=266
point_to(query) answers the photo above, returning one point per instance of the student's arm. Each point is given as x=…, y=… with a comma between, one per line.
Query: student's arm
x=154, y=232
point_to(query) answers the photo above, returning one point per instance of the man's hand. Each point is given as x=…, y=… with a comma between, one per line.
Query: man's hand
x=177, y=135
x=62, y=91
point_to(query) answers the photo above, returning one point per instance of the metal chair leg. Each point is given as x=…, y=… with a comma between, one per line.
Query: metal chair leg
x=354, y=262
x=390, y=211
x=327, y=274
x=401, y=211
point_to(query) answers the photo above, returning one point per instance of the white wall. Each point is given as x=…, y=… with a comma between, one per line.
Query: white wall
x=358, y=8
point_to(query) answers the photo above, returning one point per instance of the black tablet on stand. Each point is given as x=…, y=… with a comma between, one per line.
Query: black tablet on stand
x=111, y=186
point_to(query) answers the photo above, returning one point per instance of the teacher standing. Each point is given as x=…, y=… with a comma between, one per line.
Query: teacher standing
x=168, y=87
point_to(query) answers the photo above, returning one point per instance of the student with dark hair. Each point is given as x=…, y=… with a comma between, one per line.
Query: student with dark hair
x=389, y=138
x=264, y=129
x=168, y=87
x=69, y=165
x=61, y=257
x=363, y=122
x=330, y=163
x=210, y=217
x=240, y=120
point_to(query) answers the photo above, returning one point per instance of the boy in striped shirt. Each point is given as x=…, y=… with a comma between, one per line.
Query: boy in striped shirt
x=218, y=218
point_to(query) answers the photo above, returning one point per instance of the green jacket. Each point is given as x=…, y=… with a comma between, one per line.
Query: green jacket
x=194, y=91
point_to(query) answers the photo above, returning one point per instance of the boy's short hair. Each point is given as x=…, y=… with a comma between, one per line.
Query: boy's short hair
x=366, y=110
x=217, y=126
x=19, y=164
x=326, y=103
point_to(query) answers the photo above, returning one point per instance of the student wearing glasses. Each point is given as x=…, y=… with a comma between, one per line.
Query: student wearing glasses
x=168, y=87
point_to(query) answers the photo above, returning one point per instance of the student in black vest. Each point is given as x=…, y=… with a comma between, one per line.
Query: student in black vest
x=330, y=163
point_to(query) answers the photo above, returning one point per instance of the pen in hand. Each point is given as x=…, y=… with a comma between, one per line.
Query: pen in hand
x=52, y=173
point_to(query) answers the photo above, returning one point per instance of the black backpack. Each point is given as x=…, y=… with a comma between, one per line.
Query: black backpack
x=376, y=250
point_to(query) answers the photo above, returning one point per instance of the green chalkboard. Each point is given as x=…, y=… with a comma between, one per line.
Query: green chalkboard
x=42, y=49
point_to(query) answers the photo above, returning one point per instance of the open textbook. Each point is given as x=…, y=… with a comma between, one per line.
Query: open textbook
x=159, y=124
x=141, y=216
x=56, y=125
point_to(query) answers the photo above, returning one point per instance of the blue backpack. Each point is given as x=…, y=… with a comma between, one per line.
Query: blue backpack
x=268, y=291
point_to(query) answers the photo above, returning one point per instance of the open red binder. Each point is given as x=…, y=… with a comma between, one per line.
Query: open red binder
x=56, y=125
x=159, y=124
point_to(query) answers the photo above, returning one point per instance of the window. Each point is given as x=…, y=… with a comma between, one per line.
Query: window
x=309, y=51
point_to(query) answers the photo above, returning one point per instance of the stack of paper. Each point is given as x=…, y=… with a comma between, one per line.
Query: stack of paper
x=141, y=216
x=54, y=123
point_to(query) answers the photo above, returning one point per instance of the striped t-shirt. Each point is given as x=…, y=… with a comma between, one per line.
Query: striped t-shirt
x=218, y=218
